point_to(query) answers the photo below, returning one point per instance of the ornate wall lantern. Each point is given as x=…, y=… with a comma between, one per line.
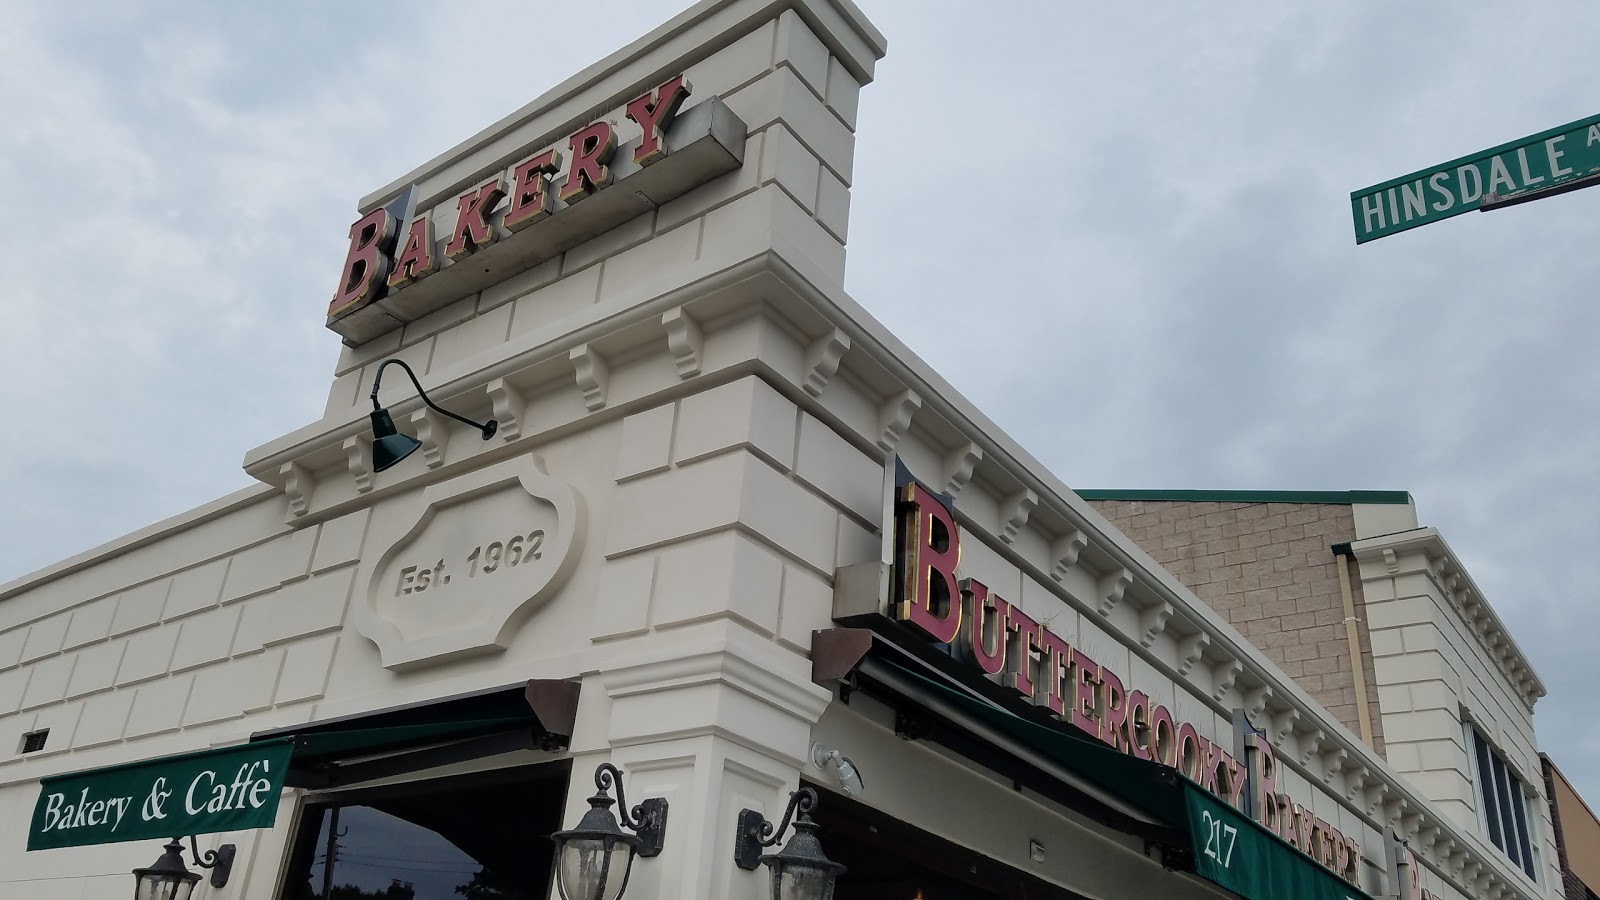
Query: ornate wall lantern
x=593, y=860
x=801, y=871
x=169, y=879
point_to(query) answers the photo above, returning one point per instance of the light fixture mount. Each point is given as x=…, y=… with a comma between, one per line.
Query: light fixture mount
x=389, y=446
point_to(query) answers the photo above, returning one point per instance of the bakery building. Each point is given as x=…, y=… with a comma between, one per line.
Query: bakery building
x=1376, y=617
x=632, y=557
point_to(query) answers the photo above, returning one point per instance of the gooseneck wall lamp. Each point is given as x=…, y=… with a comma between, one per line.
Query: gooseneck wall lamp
x=593, y=860
x=389, y=446
x=801, y=871
x=169, y=879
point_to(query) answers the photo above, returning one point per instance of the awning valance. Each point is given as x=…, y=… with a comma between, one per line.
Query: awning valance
x=1199, y=831
x=236, y=788
x=350, y=749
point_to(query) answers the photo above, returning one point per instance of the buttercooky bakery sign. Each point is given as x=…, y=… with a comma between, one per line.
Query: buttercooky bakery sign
x=229, y=789
x=1003, y=642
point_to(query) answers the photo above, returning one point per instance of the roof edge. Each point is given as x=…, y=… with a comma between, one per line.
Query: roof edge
x=1337, y=498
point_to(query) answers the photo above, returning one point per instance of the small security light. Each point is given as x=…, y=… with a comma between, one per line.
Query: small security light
x=389, y=446
x=593, y=860
x=849, y=776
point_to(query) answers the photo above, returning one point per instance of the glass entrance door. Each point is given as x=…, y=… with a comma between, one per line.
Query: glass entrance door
x=477, y=837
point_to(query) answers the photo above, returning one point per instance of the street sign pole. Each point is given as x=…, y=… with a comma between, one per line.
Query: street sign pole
x=1492, y=202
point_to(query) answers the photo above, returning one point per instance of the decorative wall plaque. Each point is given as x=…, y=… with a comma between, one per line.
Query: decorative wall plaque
x=480, y=553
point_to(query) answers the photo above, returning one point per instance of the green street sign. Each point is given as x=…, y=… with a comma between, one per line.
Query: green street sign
x=1534, y=163
x=228, y=789
x=1233, y=851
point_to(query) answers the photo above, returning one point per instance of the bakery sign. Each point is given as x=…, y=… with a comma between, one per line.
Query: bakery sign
x=209, y=791
x=403, y=262
x=996, y=638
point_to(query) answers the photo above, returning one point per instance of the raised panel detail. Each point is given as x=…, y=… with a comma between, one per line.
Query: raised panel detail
x=477, y=555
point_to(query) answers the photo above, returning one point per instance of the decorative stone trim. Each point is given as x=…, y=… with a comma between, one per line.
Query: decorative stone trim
x=431, y=432
x=1190, y=651
x=1459, y=590
x=594, y=375
x=685, y=341
x=298, y=484
x=1064, y=553
x=358, y=460
x=1112, y=589
x=508, y=408
x=958, y=467
x=822, y=360
x=1153, y=621
x=1014, y=514
x=895, y=417
x=1223, y=677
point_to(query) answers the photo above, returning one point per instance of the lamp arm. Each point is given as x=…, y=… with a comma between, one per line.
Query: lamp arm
x=804, y=800
x=488, y=428
x=608, y=776
x=206, y=862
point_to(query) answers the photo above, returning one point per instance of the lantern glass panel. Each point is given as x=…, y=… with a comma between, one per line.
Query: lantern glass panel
x=803, y=882
x=167, y=887
x=584, y=860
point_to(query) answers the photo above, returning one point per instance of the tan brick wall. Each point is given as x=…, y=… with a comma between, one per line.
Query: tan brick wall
x=1269, y=569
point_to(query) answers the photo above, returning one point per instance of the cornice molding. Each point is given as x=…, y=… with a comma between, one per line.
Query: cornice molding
x=1462, y=595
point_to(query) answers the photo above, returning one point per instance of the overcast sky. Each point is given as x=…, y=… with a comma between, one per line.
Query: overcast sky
x=1124, y=234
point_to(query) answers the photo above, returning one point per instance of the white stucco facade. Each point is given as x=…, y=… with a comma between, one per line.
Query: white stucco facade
x=695, y=417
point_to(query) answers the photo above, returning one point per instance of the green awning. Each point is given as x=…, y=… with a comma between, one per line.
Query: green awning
x=1229, y=849
x=328, y=752
x=236, y=788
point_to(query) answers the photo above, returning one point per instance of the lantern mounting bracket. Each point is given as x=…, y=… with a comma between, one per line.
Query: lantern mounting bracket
x=648, y=820
x=219, y=861
x=756, y=833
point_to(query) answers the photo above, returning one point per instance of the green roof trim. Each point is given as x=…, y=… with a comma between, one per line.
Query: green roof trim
x=1334, y=498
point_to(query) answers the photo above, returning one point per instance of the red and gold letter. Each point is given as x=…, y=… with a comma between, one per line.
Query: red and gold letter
x=591, y=150
x=1086, y=694
x=530, y=191
x=473, y=231
x=1141, y=742
x=1114, y=720
x=1020, y=648
x=654, y=112
x=986, y=628
x=371, y=242
x=416, y=260
x=930, y=598
x=1164, y=737
x=1055, y=670
x=1191, y=757
x=1209, y=756
x=1266, y=763
x=1236, y=780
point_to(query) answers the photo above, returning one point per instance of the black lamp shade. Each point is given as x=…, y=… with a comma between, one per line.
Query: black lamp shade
x=802, y=871
x=167, y=878
x=593, y=861
x=389, y=446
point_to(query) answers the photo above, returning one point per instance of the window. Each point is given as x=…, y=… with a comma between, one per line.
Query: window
x=1504, y=803
x=479, y=837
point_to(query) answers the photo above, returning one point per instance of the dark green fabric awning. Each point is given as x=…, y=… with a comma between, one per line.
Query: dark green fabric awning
x=1229, y=848
x=434, y=732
